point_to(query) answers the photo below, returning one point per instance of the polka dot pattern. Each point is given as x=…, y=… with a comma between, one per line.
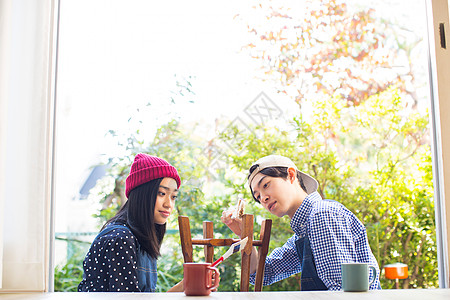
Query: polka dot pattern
x=111, y=262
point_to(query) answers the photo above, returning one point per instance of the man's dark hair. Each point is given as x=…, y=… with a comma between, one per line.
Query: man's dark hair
x=138, y=214
x=276, y=172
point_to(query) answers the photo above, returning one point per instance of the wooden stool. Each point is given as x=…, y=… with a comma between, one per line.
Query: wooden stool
x=209, y=242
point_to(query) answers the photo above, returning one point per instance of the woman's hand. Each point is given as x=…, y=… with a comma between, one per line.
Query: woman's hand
x=234, y=224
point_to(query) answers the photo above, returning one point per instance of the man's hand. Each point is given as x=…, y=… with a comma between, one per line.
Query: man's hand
x=234, y=224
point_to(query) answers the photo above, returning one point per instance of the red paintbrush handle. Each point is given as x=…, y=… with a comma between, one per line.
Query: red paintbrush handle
x=217, y=262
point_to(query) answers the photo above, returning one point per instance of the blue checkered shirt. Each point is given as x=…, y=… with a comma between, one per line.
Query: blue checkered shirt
x=336, y=237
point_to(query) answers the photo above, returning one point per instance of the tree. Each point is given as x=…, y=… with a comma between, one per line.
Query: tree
x=365, y=138
x=357, y=133
x=324, y=48
x=380, y=168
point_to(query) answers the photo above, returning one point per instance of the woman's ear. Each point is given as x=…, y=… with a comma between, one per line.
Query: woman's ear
x=292, y=174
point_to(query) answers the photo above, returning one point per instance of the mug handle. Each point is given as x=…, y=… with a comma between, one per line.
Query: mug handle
x=374, y=272
x=216, y=278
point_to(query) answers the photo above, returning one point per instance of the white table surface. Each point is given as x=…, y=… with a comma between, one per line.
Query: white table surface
x=410, y=294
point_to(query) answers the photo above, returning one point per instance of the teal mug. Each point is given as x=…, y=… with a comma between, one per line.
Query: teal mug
x=355, y=277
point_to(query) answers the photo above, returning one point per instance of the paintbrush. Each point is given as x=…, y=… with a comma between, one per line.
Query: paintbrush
x=236, y=247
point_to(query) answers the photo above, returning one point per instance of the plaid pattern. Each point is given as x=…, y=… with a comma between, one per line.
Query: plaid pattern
x=336, y=237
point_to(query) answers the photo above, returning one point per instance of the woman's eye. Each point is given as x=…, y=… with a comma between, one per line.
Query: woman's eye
x=265, y=185
x=162, y=193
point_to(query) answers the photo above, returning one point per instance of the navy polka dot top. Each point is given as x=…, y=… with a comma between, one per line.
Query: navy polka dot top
x=111, y=263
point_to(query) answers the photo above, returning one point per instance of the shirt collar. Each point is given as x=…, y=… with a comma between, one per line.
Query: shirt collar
x=301, y=215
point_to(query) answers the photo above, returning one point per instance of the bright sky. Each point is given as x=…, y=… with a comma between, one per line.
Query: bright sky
x=117, y=55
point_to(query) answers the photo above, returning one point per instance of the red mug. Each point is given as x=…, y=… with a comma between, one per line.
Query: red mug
x=200, y=279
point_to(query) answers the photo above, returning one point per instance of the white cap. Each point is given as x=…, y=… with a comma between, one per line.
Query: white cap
x=281, y=161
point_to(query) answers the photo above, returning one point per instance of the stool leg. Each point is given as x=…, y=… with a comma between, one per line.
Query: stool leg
x=247, y=231
x=208, y=233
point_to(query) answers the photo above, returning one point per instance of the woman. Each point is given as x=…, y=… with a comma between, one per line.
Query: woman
x=122, y=258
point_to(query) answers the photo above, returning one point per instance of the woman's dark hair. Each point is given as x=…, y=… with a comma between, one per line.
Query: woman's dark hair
x=276, y=172
x=138, y=214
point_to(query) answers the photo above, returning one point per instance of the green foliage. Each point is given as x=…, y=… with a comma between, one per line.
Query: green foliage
x=107, y=213
x=170, y=264
x=362, y=140
x=69, y=275
x=385, y=180
x=375, y=160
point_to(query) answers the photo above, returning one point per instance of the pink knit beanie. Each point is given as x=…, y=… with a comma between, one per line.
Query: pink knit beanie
x=146, y=168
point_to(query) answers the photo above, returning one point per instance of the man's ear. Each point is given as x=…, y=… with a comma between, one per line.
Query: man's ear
x=292, y=174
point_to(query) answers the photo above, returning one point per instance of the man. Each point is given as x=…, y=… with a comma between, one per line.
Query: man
x=326, y=233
